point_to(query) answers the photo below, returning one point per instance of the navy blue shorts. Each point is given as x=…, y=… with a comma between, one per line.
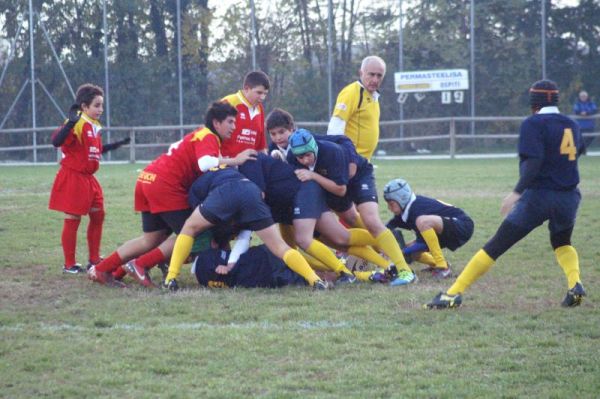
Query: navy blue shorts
x=171, y=221
x=237, y=201
x=309, y=203
x=538, y=205
x=361, y=189
x=457, y=231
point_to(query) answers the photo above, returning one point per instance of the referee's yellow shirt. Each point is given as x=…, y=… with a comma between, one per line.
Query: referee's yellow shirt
x=360, y=110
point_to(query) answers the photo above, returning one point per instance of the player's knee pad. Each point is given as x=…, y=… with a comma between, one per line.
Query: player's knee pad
x=506, y=236
x=561, y=238
x=97, y=216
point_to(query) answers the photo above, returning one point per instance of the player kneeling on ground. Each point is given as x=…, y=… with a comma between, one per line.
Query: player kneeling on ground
x=549, y=145
x=230, y=196
x=437, y=225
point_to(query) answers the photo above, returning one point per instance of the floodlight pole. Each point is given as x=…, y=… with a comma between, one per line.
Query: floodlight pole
x=180, y=82
x=106, y=81
x=401, y=65
x=543, y=39
x=472, y=64
x=329, y=55
x=253, y=38
x=32, y=81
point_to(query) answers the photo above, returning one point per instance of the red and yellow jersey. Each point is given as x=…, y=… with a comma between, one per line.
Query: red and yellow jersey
x=249, y=130
x=179, y=165
x=82, y=149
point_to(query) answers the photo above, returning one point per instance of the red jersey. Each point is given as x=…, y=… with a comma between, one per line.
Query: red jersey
x=82, y=149
x=249, y=130
x=179, y=167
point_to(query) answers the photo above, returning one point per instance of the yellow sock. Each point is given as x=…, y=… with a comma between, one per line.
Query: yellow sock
x=362, y=276
x=477, y=266
x=294, y=260
x=369, y=254
x=388, y=244
x=315, y=263
x=287, y=233
x=359, y=222
x=360, y=237
x=569, y=261
x=321, y=252
x=426, y=258
x=182, y=249
x=431, y=239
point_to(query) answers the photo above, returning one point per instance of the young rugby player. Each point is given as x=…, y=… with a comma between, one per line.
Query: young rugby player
x=249, y=130
x=328, y=164
x=161, y=191
x=437, y=225
x=76, y=191
x=225, y=195
x=549, y=145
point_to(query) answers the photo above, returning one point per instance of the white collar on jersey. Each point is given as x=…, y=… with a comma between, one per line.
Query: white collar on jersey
x=253, y=111
x=374, y=95
x=549, y=110
x=413, y=197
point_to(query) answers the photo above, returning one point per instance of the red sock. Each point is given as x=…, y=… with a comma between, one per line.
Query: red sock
x=110, y=264
x=119, y=273
x=150, y=259
x=69, y=240
x=94, y=235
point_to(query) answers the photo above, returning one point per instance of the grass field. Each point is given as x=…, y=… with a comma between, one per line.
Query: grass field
x=62, y=336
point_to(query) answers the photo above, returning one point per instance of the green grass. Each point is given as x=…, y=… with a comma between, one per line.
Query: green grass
x=63, y=336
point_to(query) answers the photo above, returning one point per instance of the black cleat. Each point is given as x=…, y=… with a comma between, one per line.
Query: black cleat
x=75, y=269
x=322, y=285
x=171, y=285
x=445, y=301
x=574, y=296
x=346, y=278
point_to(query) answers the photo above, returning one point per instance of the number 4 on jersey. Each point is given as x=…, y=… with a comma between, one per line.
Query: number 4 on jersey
x=567, y=145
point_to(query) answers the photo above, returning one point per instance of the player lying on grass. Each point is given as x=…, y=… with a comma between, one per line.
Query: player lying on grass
x=161, y=191
x=230, y=196
x=437, y=225
x=328, y=164
x=549, y=146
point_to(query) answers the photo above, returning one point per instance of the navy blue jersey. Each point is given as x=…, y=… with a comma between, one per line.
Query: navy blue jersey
x=425, y=206
x=209, y=180
x=458, y=226
x=332, y=162
x=348, y=146
x=274, y=177
x=256, y=268
x=555, y=139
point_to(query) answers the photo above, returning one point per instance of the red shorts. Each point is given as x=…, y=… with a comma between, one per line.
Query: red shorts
x=75, y=193
x=155, y=195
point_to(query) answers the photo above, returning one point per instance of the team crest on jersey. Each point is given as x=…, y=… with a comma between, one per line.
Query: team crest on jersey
x=242, y=116
x=341, y=106
x=296, y=211
x=364, y=187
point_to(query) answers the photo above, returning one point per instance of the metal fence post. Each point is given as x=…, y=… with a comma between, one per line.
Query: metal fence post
x=452, y=138
x=132, y=146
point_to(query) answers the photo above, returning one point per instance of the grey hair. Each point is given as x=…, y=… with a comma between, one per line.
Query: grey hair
x=372, y=58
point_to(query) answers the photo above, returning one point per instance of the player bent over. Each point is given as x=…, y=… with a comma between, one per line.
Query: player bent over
x=161, y=191
x=549, y=145
x=328, y=164
x=437, y=225
x=230, y=196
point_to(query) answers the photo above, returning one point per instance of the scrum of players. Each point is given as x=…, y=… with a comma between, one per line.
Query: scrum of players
x=310, y=198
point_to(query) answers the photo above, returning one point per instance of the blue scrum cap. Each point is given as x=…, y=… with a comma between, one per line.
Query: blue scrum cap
x=302, y=141
x=398, y=190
